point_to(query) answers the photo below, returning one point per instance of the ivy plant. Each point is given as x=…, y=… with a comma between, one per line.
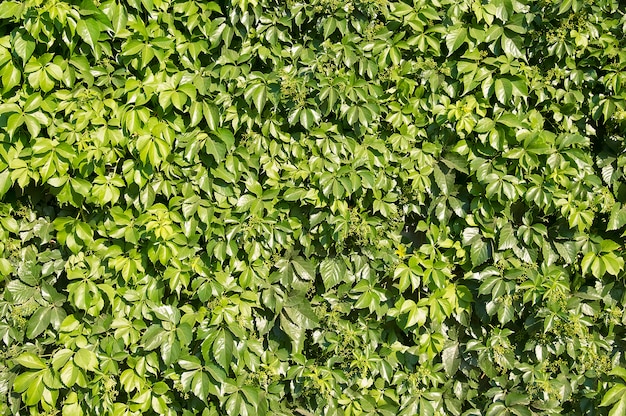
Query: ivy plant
x=363, y=207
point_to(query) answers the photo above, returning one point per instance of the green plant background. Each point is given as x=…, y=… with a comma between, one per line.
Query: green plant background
x=362, y=207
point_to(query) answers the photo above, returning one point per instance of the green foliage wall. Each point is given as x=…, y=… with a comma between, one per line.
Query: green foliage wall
x=325, y=207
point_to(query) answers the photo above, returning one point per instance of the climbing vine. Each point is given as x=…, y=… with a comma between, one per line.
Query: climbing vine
x=327, y=207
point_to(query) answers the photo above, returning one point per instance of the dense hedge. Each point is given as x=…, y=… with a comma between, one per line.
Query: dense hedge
x=324, y=207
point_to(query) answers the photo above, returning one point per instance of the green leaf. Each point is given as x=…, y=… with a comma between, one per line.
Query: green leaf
x=201, y=385
x=216, y=149
x=587, y=261
x=308, y=117
x=479, y=252
x=86, y=359
x=516, y=399
x=614, y=394
x=6, y=268
x=619, y=371
x=613, y=263
x=32, y=125
x=294, y=332
x=130, y=381
x=257, y=93
x=38, y=322
x=510, y=46
x=5, y=182
x=227, y=137
x=564, y=6
x=89, y=31
x=508, y=238
x=330, y=24
x=211, y=115
x=417, y=316
x=23, y=45
x=23, y=381
x=195, y=113
x=304, y=269
x=10, y=9
x=35, y=391
x=301, y=313
x=504, y=90
x=170, y=349
x=118, y=17
x=70, y=374
x=451, y=359
x=619, y=408
x=153, y=337
x=617, y=218
x=455, y=38
x=333, y=271
x=167, y=313
x=11, y=77
x=408, y=275
x=20, y=292
x=30, y=360
x=223, y=348
x=61, y=358
x=506, y=313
